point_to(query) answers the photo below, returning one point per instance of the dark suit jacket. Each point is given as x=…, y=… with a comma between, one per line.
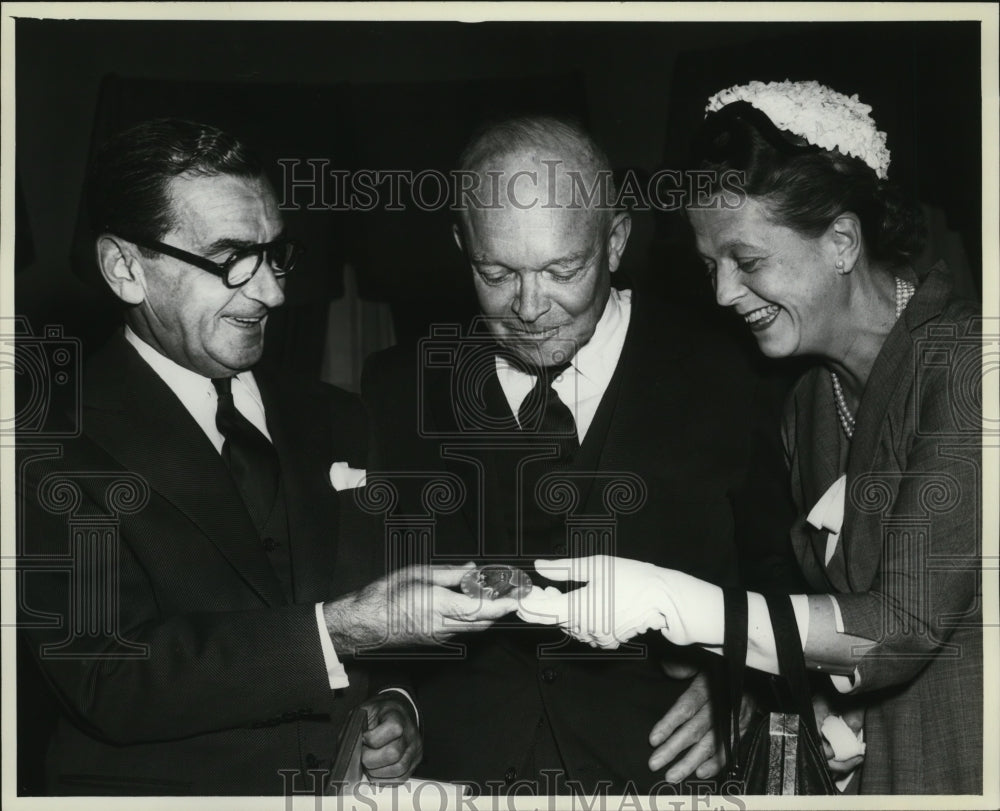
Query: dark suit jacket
x=906, y=571
x=671, y=470
x=180, y=665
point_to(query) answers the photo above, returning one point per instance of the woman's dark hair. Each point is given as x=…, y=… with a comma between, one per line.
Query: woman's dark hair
x=127, y=183
x=807, y=187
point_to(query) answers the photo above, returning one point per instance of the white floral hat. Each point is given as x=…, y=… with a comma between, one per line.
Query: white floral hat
x=824, y=117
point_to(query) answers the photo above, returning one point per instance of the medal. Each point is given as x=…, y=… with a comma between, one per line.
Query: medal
x=494, y=581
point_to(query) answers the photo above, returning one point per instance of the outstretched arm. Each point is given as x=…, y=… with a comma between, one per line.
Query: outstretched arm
x=623, y=598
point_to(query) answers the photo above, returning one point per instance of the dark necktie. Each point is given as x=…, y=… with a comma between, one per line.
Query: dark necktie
x=547, y=419
x=250, y=456
x=542, y=412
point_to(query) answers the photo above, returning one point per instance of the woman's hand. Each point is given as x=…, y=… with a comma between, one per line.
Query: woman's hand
x=846, y=762
x=623, y=598
x=620, y=599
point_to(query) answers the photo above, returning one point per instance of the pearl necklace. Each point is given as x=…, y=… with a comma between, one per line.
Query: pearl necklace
x=904, y=292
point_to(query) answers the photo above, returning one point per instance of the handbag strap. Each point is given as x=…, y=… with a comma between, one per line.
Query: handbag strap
x=791, y=664
x=734, y=652
x=791, y=661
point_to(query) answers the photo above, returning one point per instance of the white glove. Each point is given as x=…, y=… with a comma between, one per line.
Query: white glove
x=845, y=742
x=547, y=606
x=623, y=598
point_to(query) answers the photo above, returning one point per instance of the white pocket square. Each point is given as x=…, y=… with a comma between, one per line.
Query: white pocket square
x=345, y=477
x=828, y=514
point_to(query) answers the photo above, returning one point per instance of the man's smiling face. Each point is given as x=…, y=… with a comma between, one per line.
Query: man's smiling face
x=188, y=314
x=542, y=274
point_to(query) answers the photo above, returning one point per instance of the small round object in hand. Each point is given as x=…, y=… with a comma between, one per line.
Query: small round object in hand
x=494, y=581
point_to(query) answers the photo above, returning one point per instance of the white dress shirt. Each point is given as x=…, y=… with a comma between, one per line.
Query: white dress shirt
x=585, y=380
x=199, y=397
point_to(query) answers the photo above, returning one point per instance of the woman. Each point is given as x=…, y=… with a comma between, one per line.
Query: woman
x=805, y=239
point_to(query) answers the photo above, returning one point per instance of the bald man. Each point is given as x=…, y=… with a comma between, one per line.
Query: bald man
x=578, y=417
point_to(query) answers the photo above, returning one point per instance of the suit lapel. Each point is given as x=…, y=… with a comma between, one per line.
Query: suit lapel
x=892, y=370
x=301, y=431
x=821, y=436
x=481, y=509
x=138, y=420
x=819, y=448
x=638, y=395
x=615, y=452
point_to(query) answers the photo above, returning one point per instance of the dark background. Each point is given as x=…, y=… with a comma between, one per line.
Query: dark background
x=407, y=95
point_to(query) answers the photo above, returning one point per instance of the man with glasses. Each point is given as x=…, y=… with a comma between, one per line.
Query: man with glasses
x=207, y=642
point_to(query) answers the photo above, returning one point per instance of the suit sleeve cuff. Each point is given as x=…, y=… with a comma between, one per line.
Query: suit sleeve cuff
x=401, y=691
x=843, y=684
x=334, y=669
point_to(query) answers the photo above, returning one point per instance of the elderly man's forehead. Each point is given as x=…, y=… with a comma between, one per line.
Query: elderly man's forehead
x=538, y=190
x=536, y=218
x=560, y=174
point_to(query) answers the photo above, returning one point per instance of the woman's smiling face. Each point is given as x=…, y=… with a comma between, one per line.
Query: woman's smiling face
x=783, y=284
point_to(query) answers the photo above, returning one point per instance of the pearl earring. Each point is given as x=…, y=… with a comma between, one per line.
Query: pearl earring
x=840, y=266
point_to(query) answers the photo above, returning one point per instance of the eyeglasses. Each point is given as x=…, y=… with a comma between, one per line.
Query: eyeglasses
x=282, y=255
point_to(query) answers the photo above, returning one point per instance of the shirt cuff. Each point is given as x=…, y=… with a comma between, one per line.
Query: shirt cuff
x=843, y=684
x=401, y=691
x=334, y=669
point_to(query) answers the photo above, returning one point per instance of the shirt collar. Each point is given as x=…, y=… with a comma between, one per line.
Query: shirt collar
x=182, y=382
x=591, y=360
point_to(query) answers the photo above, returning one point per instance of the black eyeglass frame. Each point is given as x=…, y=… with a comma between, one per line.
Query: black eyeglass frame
x=221, y=269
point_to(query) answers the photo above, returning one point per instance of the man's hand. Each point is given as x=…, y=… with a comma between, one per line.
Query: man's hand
x=411, y=606
x=392, y=747
x=688, y=726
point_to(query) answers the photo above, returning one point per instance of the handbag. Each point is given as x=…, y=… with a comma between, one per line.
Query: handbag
x=781, y=752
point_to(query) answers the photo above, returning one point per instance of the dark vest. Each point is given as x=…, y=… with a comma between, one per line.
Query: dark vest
x=545, y=534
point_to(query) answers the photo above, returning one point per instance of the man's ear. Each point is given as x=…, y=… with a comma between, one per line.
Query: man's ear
x=121, y=269
x=621, y=227
x=844, y=234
